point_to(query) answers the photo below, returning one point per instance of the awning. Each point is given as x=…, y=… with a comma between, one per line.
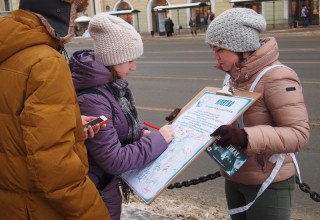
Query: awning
x=122, y=12
x=126, y=12
x=236, y=1
x=253, y=1
x=82, y=19
x=191, y=5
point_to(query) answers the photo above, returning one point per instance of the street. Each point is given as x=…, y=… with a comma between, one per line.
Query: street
x=171, y=72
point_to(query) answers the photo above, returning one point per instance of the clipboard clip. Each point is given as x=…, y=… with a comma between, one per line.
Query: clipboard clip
x=226, y=91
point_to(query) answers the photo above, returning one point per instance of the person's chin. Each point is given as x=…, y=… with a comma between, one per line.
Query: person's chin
x=125, y=76
x=221, y=67
x=224, y=68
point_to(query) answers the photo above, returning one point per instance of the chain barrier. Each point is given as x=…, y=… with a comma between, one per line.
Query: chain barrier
x=201, y=179
x=306, y=188
x=303, y=186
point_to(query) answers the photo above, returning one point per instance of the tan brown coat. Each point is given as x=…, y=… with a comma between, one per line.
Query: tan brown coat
x=277, y=122
x=43, y=160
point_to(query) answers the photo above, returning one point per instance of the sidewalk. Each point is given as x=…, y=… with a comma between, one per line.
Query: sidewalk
x=312, y=30
x=130, y=213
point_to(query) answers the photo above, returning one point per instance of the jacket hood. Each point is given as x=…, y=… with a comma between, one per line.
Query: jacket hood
x=56, y=15
x=21, y=30
x=86, y=72
x=265, y=55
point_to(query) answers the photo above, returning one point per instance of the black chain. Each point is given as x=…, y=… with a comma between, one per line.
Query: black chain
x=306, y=188
x=303, y=186
x=201, y=179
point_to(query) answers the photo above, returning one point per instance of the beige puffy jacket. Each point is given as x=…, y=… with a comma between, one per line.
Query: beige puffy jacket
x=277, y=122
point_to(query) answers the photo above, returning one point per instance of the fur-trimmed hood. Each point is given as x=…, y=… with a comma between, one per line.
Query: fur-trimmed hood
x=56, y=15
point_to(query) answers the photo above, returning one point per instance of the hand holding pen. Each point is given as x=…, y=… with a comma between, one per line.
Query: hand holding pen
x=166, y=131
x=148, y=124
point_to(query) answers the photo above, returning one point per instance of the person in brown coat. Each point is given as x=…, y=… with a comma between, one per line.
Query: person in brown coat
x=43, y=159
x=272, y=130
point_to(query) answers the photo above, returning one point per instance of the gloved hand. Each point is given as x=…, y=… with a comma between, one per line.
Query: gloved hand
x=230, y=134
x=173, y=114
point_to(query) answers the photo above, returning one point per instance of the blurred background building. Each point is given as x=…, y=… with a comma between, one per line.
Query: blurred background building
x=148, y=15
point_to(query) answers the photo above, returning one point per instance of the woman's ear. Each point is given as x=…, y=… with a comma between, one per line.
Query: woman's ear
x=246, y=54
x=114, y=75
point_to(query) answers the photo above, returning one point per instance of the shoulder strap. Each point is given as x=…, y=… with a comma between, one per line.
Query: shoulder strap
x=253, y=85
x=97, y=91
x=261, y=74
x=239, y=122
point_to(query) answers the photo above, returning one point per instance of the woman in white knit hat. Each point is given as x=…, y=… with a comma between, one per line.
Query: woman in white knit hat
x=100, y=77
x=269, y=132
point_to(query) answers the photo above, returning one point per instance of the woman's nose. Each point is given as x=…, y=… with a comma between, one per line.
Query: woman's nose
x=133, y=65
x=216, y=56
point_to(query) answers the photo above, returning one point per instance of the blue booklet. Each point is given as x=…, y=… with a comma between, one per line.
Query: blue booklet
x=230, y=158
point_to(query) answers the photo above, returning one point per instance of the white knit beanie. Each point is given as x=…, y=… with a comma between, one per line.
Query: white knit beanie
x=237, y=30
x=115, y=40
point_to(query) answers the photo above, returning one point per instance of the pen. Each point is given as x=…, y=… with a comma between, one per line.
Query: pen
x=151, y=125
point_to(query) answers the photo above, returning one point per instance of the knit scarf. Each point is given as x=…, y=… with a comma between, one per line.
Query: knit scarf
x=119, y=88
x=124, y=96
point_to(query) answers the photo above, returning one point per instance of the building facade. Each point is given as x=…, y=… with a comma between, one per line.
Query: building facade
x=141, y=14
x=278, y=13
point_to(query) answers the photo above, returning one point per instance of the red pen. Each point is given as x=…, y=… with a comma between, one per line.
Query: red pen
x=151, y=125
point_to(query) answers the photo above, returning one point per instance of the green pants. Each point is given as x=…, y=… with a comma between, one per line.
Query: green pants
x=275, y=203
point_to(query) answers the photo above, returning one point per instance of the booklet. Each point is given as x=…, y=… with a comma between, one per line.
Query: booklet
x=230, y=158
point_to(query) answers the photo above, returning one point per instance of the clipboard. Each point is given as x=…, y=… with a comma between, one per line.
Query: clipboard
x=209, y=109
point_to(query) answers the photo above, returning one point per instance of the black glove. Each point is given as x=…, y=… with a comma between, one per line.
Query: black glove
x=231, y=135
x=173, y=114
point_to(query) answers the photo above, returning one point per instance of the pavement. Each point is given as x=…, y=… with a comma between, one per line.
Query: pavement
x=132, y=213
x=311, y=30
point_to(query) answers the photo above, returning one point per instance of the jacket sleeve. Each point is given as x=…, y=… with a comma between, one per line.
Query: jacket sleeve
x=48, y=123
x=105, y=148
x=284, y=100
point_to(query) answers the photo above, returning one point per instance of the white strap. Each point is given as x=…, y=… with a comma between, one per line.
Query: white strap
x=296, y=165
x=275, y=158
x=264, y=186
x=226, y=80
x=261, y=74
x=253, y=85
x=239, y=122
x=255, y=82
